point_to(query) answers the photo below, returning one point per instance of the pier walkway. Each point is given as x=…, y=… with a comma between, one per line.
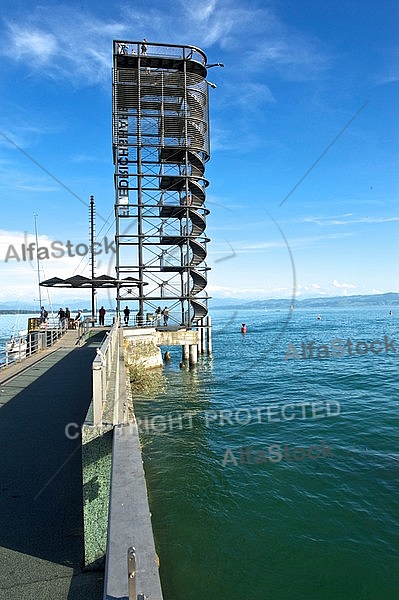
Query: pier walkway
x=41, y=517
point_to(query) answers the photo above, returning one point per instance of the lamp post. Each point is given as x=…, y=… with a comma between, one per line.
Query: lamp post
x=93, y=261
x=213, y=85
x=37, y=263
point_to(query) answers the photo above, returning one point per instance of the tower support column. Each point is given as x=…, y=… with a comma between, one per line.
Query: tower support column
x=193, y=354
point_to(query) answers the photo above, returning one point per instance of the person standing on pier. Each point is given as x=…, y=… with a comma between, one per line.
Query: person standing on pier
x=68, y=317
x=43, y=315
x=126, y=313
x=101, y=316
x=79, y=319
x=158, y=314
x=61, y=315
x=165, y=313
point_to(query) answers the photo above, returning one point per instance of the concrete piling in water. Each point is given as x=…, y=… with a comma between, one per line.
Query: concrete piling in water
x=203, y=336
x=199, y=329
x=193, y=354
x=185, y=353
x=209, y=334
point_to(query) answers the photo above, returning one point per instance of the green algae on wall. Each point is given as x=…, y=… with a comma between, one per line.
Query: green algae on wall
x=96, y=465
x=142, y=353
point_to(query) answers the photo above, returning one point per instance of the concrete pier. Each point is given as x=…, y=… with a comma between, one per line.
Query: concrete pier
x=168, y=336
x=49, y=525
x=41, y=512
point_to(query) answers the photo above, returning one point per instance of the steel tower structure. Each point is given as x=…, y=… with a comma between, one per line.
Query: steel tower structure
x=160, y=147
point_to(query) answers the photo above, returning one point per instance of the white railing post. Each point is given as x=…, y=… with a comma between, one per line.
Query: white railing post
x=97, y=393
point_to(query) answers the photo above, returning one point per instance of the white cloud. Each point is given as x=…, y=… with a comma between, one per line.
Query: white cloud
x=336, y=284
x=22, y=278
x=253, y=97
x=390, y=73
x=68, y=43
x=217, y=23
x=250, y=293
x=347, y=220
x=15, y=178
x=299, y=242
x=36, y=188
x=30, y=44
x=73, y=44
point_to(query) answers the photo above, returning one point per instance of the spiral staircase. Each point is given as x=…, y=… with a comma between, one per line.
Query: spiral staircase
x=161, y=145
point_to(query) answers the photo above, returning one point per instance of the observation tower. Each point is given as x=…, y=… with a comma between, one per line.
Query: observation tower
x=160, y=133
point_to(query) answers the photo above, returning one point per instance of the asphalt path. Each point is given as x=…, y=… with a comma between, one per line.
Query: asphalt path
x=41, y=509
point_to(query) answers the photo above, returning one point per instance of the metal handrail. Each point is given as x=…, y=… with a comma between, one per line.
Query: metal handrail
x=131, y=573
x=35, y=341
x=173, y=50
x=131, y=576
x=83, y=328
x=101, y=369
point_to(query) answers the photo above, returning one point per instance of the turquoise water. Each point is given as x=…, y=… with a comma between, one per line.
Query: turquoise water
x=323, y=527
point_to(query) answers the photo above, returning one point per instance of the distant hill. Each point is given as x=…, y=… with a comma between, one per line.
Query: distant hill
x=389, y=299
x=6, y=310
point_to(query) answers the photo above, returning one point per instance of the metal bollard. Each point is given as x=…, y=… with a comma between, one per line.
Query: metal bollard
x=131, y=573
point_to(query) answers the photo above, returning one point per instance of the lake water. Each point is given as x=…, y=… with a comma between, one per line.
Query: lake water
x=228, y=527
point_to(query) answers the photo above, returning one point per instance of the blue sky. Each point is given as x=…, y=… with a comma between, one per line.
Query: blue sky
x=295, y=74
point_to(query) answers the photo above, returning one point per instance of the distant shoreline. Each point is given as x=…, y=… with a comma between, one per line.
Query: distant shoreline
x=388, y=299
x=23, y=311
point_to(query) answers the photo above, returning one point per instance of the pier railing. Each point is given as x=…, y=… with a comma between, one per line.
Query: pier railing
x=101, y=370
x=83, y=329
x=33, y=342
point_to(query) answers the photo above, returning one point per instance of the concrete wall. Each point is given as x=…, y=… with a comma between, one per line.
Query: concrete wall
x=180, y=337
x=141, y=350
x=166, y=337
x=129, y=521
x=96, y=466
